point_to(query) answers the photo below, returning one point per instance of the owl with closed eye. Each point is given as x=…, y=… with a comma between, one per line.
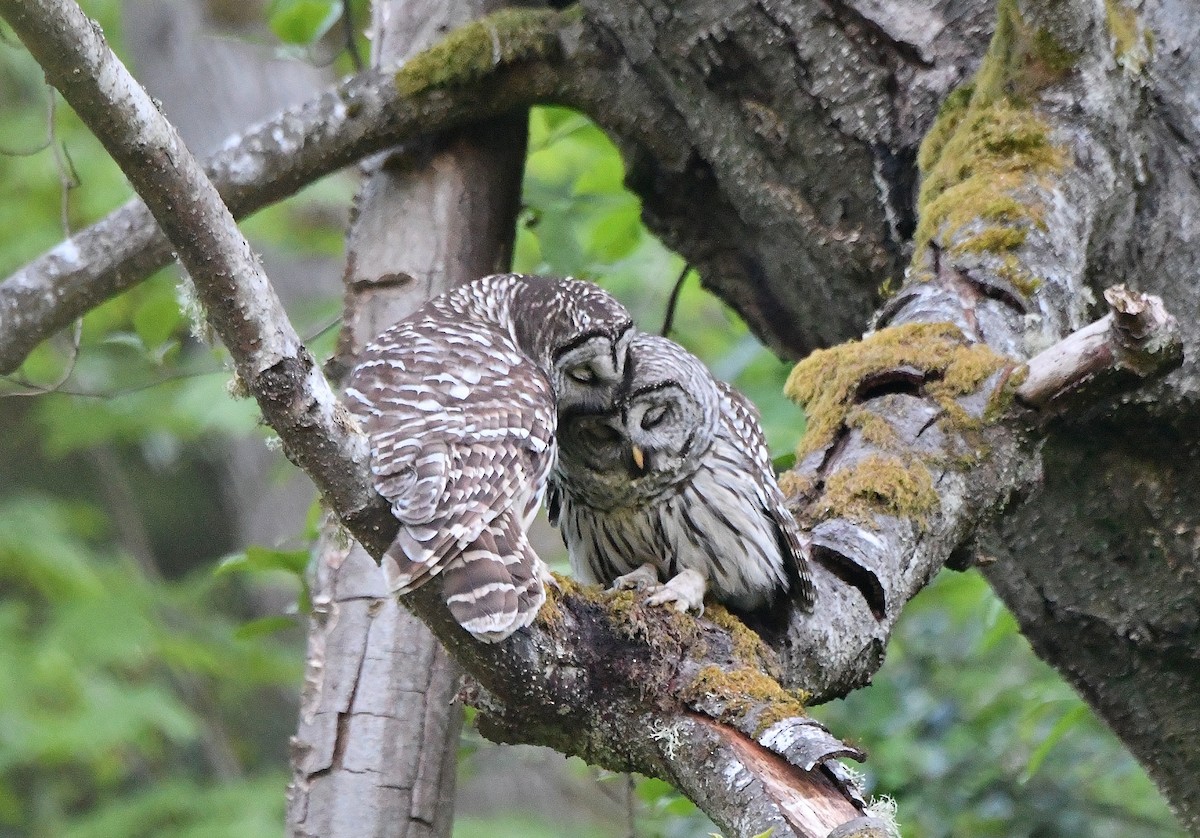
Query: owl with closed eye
x=458, y=402
x=671, y=489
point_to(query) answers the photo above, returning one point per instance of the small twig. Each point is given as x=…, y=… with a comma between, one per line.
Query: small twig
x=673, y=301
x=24, y=152
x=1137, y=337
x=348, y=31
x=56, y=387
x=630, y=808
x=68, y=177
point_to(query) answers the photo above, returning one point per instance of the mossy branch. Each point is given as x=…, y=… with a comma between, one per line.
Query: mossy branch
x=985, y=159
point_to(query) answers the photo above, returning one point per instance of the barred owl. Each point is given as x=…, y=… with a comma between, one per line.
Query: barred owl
x=458, y=403
x=675, y=481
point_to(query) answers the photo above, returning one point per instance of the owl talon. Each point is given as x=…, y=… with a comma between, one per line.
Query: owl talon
x=644, y=578
x=684, y=592
x=546, y=576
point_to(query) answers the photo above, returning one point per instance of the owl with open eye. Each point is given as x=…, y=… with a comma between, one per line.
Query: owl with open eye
x=458, y=402
x=671, y=489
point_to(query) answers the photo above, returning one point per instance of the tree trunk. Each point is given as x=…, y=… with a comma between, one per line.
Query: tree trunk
x=376, y=749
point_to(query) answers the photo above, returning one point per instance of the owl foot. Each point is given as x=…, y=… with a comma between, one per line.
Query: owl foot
x=685, y=592
x=546, y=576
x=641, y=579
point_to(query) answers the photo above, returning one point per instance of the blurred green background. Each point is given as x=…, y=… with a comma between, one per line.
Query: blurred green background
x=151, y=661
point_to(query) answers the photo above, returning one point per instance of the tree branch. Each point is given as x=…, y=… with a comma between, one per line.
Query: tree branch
x=365, y=114
x=912, y=445
x=606, y=665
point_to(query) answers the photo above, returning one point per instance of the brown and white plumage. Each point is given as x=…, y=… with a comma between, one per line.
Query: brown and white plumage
x=458, y=403
x=675, y=482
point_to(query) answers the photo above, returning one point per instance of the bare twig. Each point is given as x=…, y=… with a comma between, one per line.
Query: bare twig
x=673, y=301
x=1137, y=338
x=350, y=34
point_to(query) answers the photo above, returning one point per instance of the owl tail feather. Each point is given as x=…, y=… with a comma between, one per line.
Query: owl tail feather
x=480, y=590
x=401, y=573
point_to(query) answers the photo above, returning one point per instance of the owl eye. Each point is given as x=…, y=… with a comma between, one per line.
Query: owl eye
x=582, y=373
x=654, y=417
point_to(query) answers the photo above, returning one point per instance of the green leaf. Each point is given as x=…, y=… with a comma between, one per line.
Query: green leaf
x=784, y=462
x=303, y=21
x=258, y=559
x=157, y=319
x=263, y=626
x=615, y=234
x=1075, y=716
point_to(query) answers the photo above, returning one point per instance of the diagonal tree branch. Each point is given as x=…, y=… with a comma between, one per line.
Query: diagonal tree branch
x=610, y=669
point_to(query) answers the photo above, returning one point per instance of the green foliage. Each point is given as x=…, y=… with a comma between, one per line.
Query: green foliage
x=302, y=21
x=132, y=672
x=117, y=683
x=973, y=736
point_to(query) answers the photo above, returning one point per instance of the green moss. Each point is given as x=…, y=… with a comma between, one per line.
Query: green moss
x=1021, y=60
x=987, y=147
x=664, y=630
x=828, y=381
x=874, y=428
x=742, y=692
x=748, y=647
x=1003, y=396
x=1011, y=269
x=879, y=484
x=995, y=152
x=551, y=613
x=1130, y=46
x=993, y=240
x=475, y=50
x=796, y=485
x=949, y=115
x=968, y=367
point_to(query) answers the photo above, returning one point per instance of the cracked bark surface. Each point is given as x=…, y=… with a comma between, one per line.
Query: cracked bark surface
x=805, y=171
x=376, y=749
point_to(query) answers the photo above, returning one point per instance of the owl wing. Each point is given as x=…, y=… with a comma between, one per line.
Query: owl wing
x=742, y=419
x=457, y=438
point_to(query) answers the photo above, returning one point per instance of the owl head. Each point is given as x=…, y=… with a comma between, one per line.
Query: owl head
x=580, y=335
x=656, y=433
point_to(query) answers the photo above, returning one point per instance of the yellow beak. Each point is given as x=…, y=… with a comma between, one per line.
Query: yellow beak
x=639, y=458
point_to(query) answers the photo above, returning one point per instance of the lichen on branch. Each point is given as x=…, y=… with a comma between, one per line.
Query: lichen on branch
x=473, y=52
x=988, y=152
x=934, y=356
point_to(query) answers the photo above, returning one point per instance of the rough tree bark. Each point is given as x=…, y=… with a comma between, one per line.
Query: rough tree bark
x=377, y=745
x=1068, y=164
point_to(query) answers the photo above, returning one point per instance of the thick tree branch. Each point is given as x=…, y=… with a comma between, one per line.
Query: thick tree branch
x=607, y=667
x=911, y=446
